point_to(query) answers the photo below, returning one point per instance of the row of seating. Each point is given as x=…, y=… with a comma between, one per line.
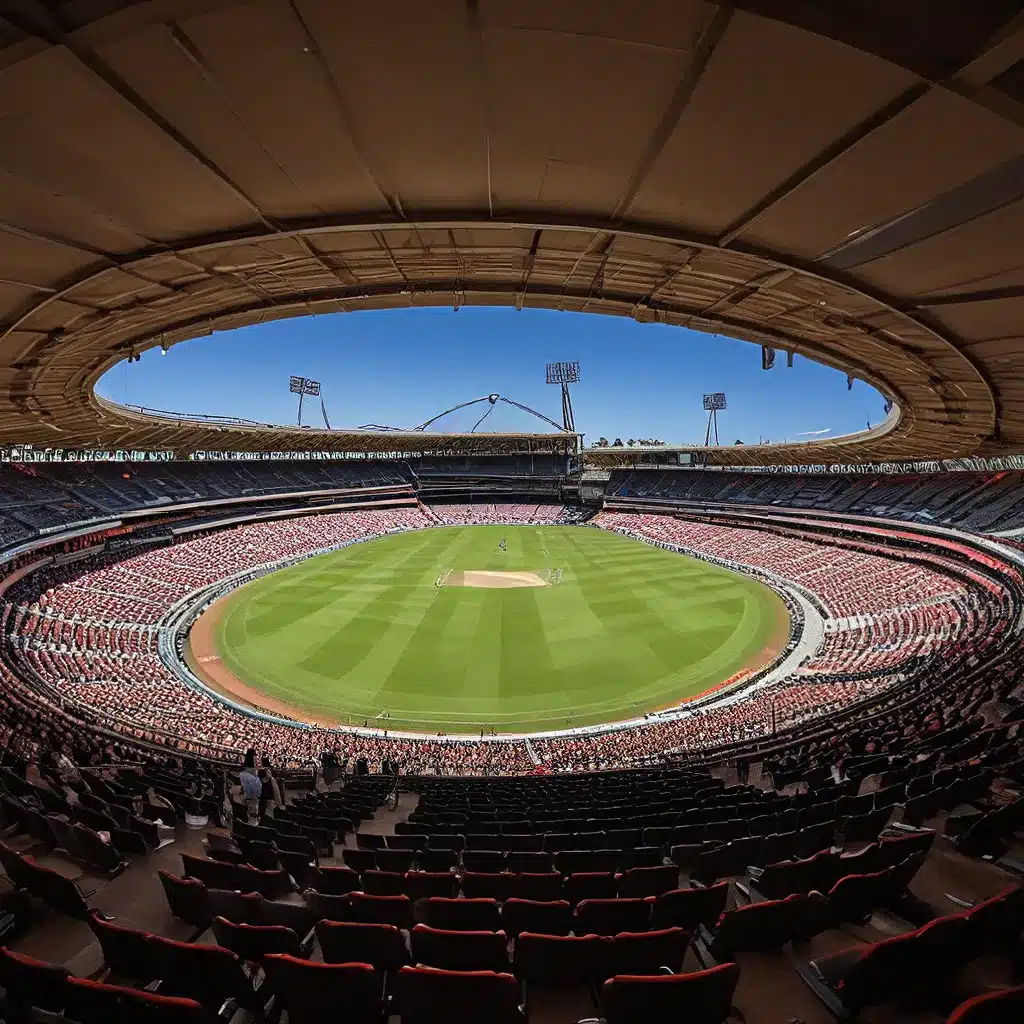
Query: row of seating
x=894, y=969
x=191, y=901
x=311, y=993
x=59, y=893
x=673, y=829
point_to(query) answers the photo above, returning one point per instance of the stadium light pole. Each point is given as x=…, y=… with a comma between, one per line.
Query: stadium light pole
x=713, y=404
x=564, y=374
x=302, y=386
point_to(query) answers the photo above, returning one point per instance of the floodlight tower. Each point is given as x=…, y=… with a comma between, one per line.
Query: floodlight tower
x=713, y=403
x=303, y=386
x=565, y=374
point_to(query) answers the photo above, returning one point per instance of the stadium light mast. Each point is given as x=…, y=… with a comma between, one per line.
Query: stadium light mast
x=713, y=404
x=302, y=386
x=565, y=374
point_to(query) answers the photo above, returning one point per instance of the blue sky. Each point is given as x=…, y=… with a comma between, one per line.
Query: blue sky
x=400, y=367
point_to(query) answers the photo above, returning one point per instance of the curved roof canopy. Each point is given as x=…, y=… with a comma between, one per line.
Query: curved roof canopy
x=841, y=180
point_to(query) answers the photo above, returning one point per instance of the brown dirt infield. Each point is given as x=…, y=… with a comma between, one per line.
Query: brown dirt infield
x=493, y=580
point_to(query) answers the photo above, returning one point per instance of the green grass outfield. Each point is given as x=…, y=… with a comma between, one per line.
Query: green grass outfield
x=345, y=636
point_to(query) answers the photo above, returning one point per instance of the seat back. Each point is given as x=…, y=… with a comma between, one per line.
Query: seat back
x=427, y=995
x=396, y=910
x=591, y=885
x=883, y=972
x=383, y=883
x=463, y=914
x=126, y=952
x=460, y=950
x=252, y=942
x=768, y=925
x=30, y=982
x=646, y=952
x=15, y=867
x=331, y=908
x=652, y=881
x=313, y=992
x=208, y=974
x=687, y=908
x=854, y=897
x=187, y=898
x=544, y=886
x=606, y=917
x=553, y=917
x=997, y=922
x=58, y=892
x=333, y=881
x=704, y=997
x=295, y=916
x=422, y=885
x=240, y=907
x=991, y=1008
x=479, y=885
x=344, y=942
x=91, y=1002
x=558, y=961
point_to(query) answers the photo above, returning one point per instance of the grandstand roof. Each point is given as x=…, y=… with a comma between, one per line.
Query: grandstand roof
x=842, y=180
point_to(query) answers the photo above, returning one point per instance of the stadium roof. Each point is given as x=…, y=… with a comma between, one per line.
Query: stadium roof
x=842, y=180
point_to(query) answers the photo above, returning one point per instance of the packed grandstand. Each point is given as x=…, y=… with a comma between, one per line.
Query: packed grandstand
x=83, y=618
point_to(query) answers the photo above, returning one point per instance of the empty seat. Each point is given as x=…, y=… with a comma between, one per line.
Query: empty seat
x=396, y=910
x=463, y=914
x=854, y=897
x=486, y=861
x=890, y=970
x=383, y=883
x=606, y=917
x=486, y=886
x=395, y=860
x=703, y=997
x=768, y=925
x=127, y=952
x=208, y=974
x=240, y=907
x=556, y=961
x=543, y=917
x=544, y=886
x=591, y=885
x=687, y=908
x=437, y=860
x=332, y=881
x=421, y=885
x=652, y=881
x=640, y=857
x=646, y=952
x=187, y=899
x=428, y=995
x=313, y=992
x=814, y=874
x=359, y=859
x=460, y=950
x=998, y=1007
x=381, y=945
x=575, y=861
x=252, y=942
x=29, y=982
x=534, y=861
x=91, y=1002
